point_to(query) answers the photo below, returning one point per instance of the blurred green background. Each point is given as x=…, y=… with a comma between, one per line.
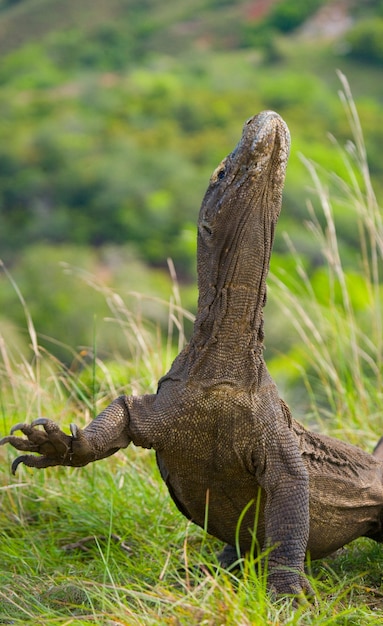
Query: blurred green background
x=113, y=114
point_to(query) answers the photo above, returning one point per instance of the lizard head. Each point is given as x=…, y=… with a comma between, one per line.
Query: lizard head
x=241, y=207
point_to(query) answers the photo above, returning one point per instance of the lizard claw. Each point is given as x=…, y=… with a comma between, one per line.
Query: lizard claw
x=40, y=421
x=20, y=426
x=24, y=458
x=79, y=448
x=54, y=446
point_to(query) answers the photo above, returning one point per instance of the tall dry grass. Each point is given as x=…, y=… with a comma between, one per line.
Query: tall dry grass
x=339, y=319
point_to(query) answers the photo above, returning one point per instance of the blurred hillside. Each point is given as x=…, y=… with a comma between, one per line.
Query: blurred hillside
x=115, y=112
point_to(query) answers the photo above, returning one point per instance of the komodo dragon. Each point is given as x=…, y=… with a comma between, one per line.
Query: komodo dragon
x=222, y=434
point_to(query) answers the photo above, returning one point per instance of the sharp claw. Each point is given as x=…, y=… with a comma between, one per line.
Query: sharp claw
x=40, y=421
x=18, y=426
x=73, y=430
x=16, y=463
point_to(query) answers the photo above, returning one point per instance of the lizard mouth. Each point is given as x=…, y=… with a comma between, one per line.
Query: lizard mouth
x=268, y=123
x=269, y=138
x=265, y=142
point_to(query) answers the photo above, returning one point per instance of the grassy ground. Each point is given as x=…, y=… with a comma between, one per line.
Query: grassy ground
x=132, y=571
x=105, y=545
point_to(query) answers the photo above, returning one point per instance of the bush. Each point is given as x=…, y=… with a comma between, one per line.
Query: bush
x=284, y=17
x=366, y=41
x=288, y=15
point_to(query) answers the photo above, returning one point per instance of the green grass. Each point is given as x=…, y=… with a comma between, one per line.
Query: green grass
x=104, y=544
x=144, y=583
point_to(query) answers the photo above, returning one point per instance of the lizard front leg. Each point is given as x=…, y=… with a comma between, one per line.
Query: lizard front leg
x=287, y=530
x=285, y=480
x=106, y=434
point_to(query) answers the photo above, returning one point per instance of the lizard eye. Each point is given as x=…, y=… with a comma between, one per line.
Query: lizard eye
x=219, y=172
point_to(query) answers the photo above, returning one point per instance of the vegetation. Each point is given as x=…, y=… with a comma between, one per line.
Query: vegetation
x=114, y=118
x=286, y=16
x=365, y=40
x=114, y=114
x=104, y=544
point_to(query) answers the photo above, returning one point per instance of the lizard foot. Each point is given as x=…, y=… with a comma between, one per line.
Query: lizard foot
x=56, y=447
x=228, y=558
x=287, y=583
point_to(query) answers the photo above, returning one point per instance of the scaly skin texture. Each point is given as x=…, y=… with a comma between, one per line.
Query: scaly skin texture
x=223, y=437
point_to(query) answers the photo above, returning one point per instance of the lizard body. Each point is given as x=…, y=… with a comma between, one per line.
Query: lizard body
x=224, y=439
